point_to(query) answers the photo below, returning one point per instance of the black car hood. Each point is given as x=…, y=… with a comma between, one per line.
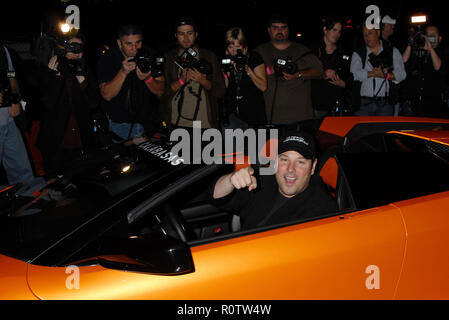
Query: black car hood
x=100, y=193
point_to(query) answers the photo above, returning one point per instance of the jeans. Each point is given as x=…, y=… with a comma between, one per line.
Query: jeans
x=369, y=107
x=122, y=129
x=13, y=155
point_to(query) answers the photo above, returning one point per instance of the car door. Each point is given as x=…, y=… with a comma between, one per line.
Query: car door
x=353, y=256
x=426, y=261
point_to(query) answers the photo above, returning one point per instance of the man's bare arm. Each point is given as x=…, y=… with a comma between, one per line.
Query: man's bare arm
x=244, y=178
x=111, y=89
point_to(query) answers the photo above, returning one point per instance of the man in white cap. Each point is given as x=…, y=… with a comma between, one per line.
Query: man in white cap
x=388, y=27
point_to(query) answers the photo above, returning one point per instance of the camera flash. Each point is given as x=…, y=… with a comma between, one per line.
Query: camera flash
x=65, y=28
x=419, y=19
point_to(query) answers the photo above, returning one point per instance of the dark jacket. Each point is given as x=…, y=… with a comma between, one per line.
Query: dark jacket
x=254, y=206
x=134, y=103
x=215, y=77
x=57, y=110
x=324, y=94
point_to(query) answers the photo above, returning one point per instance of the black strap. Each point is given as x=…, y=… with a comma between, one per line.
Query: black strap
x=198, y=101
x=181, y=93
x=274, y=100
x=238, y=80
x=362, y=52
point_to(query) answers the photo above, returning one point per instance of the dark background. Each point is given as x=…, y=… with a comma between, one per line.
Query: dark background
x=24, y=20
x=21, y=22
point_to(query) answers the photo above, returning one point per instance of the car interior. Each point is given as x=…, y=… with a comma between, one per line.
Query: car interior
x=204, y=221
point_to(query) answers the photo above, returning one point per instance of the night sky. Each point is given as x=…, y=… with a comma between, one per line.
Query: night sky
x=22, y=20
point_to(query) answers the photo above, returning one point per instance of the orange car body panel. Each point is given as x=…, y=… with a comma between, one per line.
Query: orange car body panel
x=329, y=173
x=324, y=259
x=426, y=263
x=13, y=275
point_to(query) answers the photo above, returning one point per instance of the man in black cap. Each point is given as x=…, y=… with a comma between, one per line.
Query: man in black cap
x=293, y=193
x=192, y=88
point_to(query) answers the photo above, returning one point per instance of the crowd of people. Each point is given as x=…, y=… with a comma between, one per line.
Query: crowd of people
x=279, y=82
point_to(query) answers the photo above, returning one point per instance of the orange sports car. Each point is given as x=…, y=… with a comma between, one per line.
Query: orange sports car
x=136, y=223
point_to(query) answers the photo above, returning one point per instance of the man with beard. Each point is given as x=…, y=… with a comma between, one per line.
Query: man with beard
x=288, y=97
x=192, y=92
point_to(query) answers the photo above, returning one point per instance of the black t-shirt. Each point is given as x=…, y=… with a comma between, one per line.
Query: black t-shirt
x=134, y=103
x=251, y=106
x=265, y=206
x=423, y=79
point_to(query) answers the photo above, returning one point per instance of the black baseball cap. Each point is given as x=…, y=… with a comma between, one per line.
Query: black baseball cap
x=298, y=141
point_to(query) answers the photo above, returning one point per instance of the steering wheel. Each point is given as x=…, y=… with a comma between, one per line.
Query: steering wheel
x=176, y=221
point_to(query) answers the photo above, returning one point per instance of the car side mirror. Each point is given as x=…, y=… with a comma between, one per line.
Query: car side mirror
x=153, y=254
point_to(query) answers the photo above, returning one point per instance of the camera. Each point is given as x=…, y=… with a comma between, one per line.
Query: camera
x=9, y=98
x=226, y=63
x=284, y=65
x=383, y=60
x=188, y=60
x=146, y=61
x=75, y=67
x=73, y=47
x=48, y=46
x=240, y=60
x=343, y=67
x=417, y=40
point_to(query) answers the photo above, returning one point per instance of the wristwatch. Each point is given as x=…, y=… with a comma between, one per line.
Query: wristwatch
x=300, y=76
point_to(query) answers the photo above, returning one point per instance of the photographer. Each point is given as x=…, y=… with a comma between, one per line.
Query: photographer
x=427, y=71
x=291, y=66
x=130, y=95
x=245, y=80
x=388, y=26
x=71, y=93
x=194, y=81
x=13, y=153
x=375, y=67
x=329, y=93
